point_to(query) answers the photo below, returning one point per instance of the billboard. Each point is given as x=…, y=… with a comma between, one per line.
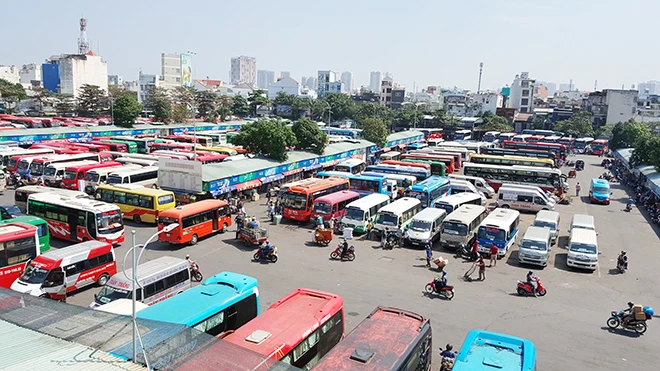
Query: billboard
x=186, y=70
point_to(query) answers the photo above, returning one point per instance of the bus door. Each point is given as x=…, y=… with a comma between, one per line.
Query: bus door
x=216, y=219
x=54, y=285
x=73, y=223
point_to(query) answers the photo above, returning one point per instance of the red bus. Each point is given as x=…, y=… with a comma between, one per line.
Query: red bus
x=559, y=149
x=39, y=164
x=402, y=163
x=12, y=164
x=84, y=264
x=74, y=174
x=535, y=138
x=568, y=142
x=333, y=205
x=599, y=146
x=389, y=339
x=115, y=147
x=195, y=221
x=199, y=139
x=447, y=160
x=298, y=200
x=90, y=147
x=58, y=149
x=458, y=160
x=18, y=244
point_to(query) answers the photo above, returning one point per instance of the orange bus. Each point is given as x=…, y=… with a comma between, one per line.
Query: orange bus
x=195, y=220
x=298, y=201
x=450, y=167
x=74, y=174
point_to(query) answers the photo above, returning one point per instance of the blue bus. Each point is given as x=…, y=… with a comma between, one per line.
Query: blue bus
x=484, y=350
x=351, y=133
x=499, y=228
x=415, y=146
x=361, y=184
x=417, y=172
x=221, y=303
x=430, y=190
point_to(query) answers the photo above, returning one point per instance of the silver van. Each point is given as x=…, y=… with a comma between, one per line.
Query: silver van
x=453, y=202
x=583, y=222
x=478, y=182
x=523, y=199
x=548, y=219
x=582, y=249
x=425, y=226
x=535, y=246
x=464, y=186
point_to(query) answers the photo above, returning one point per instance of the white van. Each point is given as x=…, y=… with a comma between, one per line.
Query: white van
x=392, y=188
x=546, y=196
x=359, y=212
x=54, y=172
x=425, y=227
x=548, y=219
x=583, y=222
x=453, y=202
x=459, y=229
x=480, y=183
x=461, y=186
x=535, y=246
x=523, y=199
x=146, y=176
x=582, y=249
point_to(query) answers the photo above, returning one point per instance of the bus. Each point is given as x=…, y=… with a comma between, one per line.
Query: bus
x=511, y=160
x=428, y=133
x=360, y=212
x=75, y=174
x=463, y=134
x=559, y=149
x=550, y=180
x=506, y=136
x=78, y=219
x=195, y=220
x=8, y=153
x=98, y=176
x=54, y=173
x=298, y=329
x=539, y=132
x=333, y=206
x=298, y=200
x=116, y=147
x=143, y=144
x=600, y=147
x=91, y=147
x=389, y=339
x=38, y=165
x=172, y=146
x=43, y=235
x=219, y=137
x=392, y=155
x=550, y=139
x=23, y=193
x=506, y=352
x=472, y=146
x=418, y=173
x=136, y=161
x=362, y=184
x=223, y=302
x=450, y=167
x=406, y=163
x=415, y=146
x=458, y=159
x=536, y=138
x=192, y=139
x=522, y=138
x=491, y=136
x=430, y=190
x=202, y=156
x=138, y=203
x=550, y=154
x=130, y=147
x=229, y=151
x=146, y=176
x=437, y=167
x=351, y=133
x=352, y=165
x=402, y=181
x=499, y=228
x=568, y=142
x=464, y=152
x=397, y=214
x=581, y=144
x=18, y=244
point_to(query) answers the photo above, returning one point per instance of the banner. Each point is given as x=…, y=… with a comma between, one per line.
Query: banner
x=186, y=70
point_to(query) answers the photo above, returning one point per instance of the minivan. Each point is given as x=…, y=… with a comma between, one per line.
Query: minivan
x=535, y=246
x=459, y=229
x=453, y=202
x=546, y=196
x=583, y=222
x=460, y=186
x=425, y=227
x=582, y=249
x=599, y=191
x=548, y=219
x=480, y=183
x=523, y=199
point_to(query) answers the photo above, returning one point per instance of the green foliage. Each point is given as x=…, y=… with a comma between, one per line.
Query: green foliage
x=375, y=130
x=605, y=131
x=284, y=99
x=448, y=123
x=541, y=122
x=578, y=125
x=115, y=91
x=158, y=101
x=341, y=106
x=207, y=105
x=647, y=151
x=91, y=101
x=65, y=104
x=268, y=137
x=224, y=107
x=365, y=110
x=181, y=112
x=184, y=95
x=255, y=99
x=628, y=134
x=240, y=106
x=10, y=94
x=408, y=116
x=126, y=110
x=495, y=123
x=309, y=136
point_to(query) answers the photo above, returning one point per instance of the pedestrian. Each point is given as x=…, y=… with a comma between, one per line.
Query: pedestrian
x=429, y=255
x=331, y=224
x=493, y=255
x=482, y=268
x=399, y=235
x=577, y=189
x=475, y=250
x=370, y=227
x=239, y=225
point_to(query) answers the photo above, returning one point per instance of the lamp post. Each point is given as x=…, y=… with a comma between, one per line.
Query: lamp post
x=112, y=110
x=329, y=112
x=167, y=228
x=416, y=111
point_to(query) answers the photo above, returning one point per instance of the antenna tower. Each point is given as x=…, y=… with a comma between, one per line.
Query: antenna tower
x=481, y=68
x=83, y=43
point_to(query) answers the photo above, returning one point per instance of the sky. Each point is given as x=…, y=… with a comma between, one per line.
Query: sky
x=421, y=43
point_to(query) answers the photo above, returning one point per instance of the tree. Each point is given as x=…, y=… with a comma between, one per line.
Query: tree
x=577, y=125
x=408, y=116
x=180, y=112
x=541, y=122
x=115, y=91
x=64, y=104
x=91, y=101
x=257, y=98
x=268, y=137
x=342, y=106
x=10, y=94
x=495, y=123
x=627, y=134
x=284, y=99
x=375, y=130
x=448, y=123
x=309, y=136
x=240, y=106
x=43, y=96
x=207, y=105
x=224, y=107
x=184, y=95
x=158, y=101
x=605, y=131
x=647, y=151
x=362, y=111
x=126, y=110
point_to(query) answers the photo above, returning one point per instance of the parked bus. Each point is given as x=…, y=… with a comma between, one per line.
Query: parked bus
x=535, y=138
x=219, y=137
x=499, y=228
x=146, y=176
x=458, y=160
x=418, y=173
x=550, y=139
x=198, y=139
x=403, y=343
x=298, y=200
x=172, y=146
x=415, y=146
x=522, y=138
x=98, y=176
x=23, y=193
x=83, y=264
x=195, y=221
x=464, y=152
x=91, y=147
x=509, y=353
x=38, y=165
x=539, y=132
x=298, y=329
x=75, y=174
x=450, y=167
x=559, y=149
x=351, y=133
x=430, y=190
x=506, y=136
x=120, y=145
x=491, y=136
x=54, y=173
x=568, y=142
x=511, y=160
x=397, y=214
x=78, y=219
x=479, y=183
x=581, y=144
x=115, y=147
x=406, y=163
x=9, y=153
x=143, y=144
x=392, y=155
x=360, y=212
x=157, y=280
x=471, y=146
x=43, y=234
x=550, y=154
x=550, y=180
x=463, y=134
x=402, y=181
x=18, y=244
x=363, y=184
x=460, y=227
x=229, y=151
x=234, y=302
x=599, y=147
x=352, y=165
x=136, y=161
x=437, y=167
x=138, y=203
x=333, y=206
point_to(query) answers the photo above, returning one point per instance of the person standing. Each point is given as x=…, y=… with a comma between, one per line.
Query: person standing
x=399, y=236
x=429, y=255
x=577, y=189
x=482, y=268
x=493, y=255
x=370, y=227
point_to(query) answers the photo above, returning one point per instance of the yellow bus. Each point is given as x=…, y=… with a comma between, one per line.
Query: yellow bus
x=223, y=150
x=138, y=203
x=511, y=160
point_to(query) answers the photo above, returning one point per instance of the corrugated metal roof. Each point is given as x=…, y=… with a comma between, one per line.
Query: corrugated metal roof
x=24, y=349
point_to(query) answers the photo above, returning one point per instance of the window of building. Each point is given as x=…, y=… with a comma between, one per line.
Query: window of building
x=525, y=93
x=178, y=79
x=524, y=102
x=523, y=109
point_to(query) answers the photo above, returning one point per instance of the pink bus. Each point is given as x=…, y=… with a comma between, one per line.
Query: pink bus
x=333, y=205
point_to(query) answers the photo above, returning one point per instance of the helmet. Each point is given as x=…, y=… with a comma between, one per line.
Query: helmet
x=187, y=256
x=530, y=272
x=623, y=252
x=267, y=241
x=631, y=304
x=449, y=347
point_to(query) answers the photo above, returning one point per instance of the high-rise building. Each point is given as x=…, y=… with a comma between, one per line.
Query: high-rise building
x=10, y=73
x=522, y=93
x=386, y=86
x=648, y=88
x=243, y=70
x=67, y=73
x=309, y=82
x=347, y=82
x=374, y=81
x=146, y=83
x=326, y=82
x=170, y=69
x=285, y=74
x=265, y=78
x=115, y=80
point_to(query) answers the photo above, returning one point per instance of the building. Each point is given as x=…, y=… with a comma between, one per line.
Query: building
x=488, y=102
x=243, y=70
x=375, y=79
x=67, y=73
x=115, y=80
x=146, y=83
x=398, y=96
x=648, y=88
x=286, y=85
x=648, y=108
x=285, y=74
x=265, y=78
x=567, y=87
x=386, y=85
x=326, y=81
x=522, y=93
x=30, y=74
x=309, y=82
x=170, y=70
x=50, y=74
x=611, y=106
x=208, y=85
x=347, y=82
x=10, y=73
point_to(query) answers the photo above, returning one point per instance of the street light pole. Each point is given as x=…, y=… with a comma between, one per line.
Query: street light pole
x=112, y=110
x=329, y=112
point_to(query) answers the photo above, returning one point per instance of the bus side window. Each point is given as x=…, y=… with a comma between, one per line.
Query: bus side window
x=539, y=201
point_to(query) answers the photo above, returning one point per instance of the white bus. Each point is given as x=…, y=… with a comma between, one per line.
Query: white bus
x=136, y=161
x=453, y=202
x=23, y=193
x=7, y=153
x=581, y=144
x=463, y=135
x=392, y=155
x=359, y=212
x=464, y=186
x=491, y=136
x=157, y=280
x=219, y=137
x=522, y=138
x=146, y=176
x=352, y=165
x=54, y=173
x=499, y=228
x=100, y=176
x=507, y=136
x=398, y=213
x=402, y=181
x=464, y=152
x=425, y=227
x=459, y=229
x=472, y=146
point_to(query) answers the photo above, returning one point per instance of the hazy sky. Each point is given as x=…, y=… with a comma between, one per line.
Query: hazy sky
x=434, y=42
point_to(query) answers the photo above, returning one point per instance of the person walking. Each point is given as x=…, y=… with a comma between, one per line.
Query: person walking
x=482, y=268
x=370, y=227
x=429, y=255
x=493, y=255
x=577, y=189
x=399, y=236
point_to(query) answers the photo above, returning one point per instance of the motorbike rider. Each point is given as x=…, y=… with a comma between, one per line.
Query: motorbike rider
x=448, y=352
x=531, y=280
x=344, y=248
x=267, y=249
x=628, y=313
x=622, y=260
x=253, y=224
x=630, y=204
x=441, y=281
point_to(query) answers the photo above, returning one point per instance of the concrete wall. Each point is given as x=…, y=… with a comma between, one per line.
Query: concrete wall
x=621, y=105
x=77, y=70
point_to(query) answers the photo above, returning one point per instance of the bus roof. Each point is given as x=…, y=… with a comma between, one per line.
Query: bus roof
x=501, y=218
x=191, y=209
x=133, y=188
x=482, y=348
x=389, y=175
x=144, y=169
x=95, y=165
x=351, y=161
x=600, y=182
x=464, y=213
x=71, y=251
x=311, y=187
x=16, y=230
x=401, y=203
x=149, y=270
x=333, y=198
x=369, y=200
x=27, y=219
x=512, y=167
x=80, y=203
x=431, y=182
x=429, y=213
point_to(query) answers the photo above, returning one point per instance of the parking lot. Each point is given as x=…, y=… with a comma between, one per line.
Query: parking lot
x=567, y=325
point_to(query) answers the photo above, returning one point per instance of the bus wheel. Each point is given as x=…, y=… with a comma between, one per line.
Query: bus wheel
x=193, y=240
x=224, y=228
x=103, y=279
x=137, y=219
x=505, y=206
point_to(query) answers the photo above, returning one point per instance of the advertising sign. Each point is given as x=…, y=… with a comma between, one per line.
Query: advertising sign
x=186, y=70
x=179, y=175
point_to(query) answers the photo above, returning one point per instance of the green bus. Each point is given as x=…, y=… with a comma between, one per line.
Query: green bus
x=42, y=229
x=132, y=146
x=437, y=168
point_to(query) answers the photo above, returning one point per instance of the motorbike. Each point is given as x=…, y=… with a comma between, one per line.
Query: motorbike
x=272, y=256
x=622, y=263
x=570, y=163
x=616, y=320
x=526, y=289
x=195, y=273
x=349, y=255
x=339, y=227
x=466, y=253
x=446, y=291
x=628, y=207
x=447, y=362
x=26, y=182
x=390, y=241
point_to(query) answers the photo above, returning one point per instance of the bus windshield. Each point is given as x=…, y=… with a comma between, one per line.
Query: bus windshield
x=601, y=189
x=295, y=201
x=343, y=168
x=354, y=213
x=446, y=207
x=50, y=171
x=70, y=174
x=388, y=219
x=493, y=234
x=23, y=165
x=420, y=225
x=454, y=228
x=322, y=208
x=34, y=274
x=92, y=177
x=114, y=179
x=109, y=293
x=37, y=168
x=109, y=222
x=534, y=245
x=418, y=195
